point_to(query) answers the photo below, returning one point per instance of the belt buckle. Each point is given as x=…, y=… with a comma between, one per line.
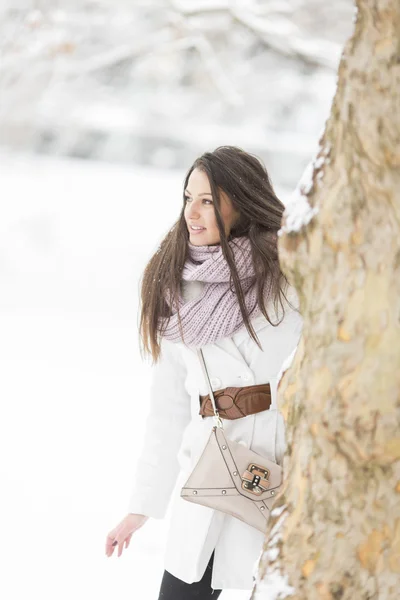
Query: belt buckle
x=255, y=479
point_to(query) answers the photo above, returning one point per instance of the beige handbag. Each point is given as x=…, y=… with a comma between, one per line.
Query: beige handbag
x=231, y=478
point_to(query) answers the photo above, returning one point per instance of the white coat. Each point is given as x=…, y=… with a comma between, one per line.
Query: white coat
x=176, y=435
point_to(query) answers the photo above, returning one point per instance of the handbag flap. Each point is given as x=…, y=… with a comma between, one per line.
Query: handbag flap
x=238, y=459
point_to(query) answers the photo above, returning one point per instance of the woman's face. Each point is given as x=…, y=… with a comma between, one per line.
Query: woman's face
x=199, y=211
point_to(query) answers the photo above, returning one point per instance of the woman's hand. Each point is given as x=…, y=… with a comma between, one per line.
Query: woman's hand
x=123, y=532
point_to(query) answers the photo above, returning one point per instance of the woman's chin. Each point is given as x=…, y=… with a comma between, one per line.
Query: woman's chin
x=202, y=240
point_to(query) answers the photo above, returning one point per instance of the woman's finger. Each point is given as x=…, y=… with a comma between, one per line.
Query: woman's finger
x=110, y=543
x=120, y=547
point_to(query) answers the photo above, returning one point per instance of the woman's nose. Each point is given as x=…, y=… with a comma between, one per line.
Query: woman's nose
x=193, y=211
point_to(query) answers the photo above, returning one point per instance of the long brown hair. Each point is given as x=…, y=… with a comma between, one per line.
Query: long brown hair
x=245, y=180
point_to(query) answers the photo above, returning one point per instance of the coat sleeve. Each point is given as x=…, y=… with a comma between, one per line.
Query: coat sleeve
x=157, y=468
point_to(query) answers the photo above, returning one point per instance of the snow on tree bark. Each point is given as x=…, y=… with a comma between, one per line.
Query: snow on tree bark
x=334, y=533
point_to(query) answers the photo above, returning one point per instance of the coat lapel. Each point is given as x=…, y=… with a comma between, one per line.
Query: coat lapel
x=223, y=351
x=228, y=346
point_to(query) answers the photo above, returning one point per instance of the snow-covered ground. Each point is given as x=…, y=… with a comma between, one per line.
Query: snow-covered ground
x=74, y=238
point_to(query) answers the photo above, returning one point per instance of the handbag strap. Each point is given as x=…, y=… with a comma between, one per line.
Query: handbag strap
x=210, y=390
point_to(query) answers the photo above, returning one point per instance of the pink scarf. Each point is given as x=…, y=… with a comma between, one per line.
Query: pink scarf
x=215, y=314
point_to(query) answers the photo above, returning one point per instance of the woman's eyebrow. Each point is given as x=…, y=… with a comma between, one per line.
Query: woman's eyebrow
x=204, y=194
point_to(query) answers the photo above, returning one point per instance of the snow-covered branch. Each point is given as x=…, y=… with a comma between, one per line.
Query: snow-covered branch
x=277, y=32
x=283, y=36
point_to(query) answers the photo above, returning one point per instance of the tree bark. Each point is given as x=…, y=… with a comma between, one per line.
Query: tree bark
x=334, y=533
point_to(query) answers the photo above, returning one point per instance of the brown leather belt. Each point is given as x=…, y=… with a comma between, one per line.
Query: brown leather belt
x=237, y=402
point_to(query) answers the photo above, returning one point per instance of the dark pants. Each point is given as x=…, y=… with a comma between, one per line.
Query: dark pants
x=176, y=589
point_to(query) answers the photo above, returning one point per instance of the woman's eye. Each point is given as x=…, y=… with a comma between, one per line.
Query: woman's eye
x=205, y=200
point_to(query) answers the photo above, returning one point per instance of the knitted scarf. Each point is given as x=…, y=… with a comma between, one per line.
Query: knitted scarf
x=215, y=314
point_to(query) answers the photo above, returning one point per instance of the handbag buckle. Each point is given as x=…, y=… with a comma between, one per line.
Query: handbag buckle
x=255, y=479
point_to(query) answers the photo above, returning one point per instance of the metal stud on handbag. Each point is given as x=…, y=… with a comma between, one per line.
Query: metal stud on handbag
x=231, y=478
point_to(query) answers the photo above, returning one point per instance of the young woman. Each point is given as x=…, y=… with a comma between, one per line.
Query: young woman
x=215, y=283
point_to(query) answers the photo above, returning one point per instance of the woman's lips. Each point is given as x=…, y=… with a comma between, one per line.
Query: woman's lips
x=196, y=231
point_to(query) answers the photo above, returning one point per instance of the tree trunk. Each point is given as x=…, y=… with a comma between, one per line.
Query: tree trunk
x=334, y=533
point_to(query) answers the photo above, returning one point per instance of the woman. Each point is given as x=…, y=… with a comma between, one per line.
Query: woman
x=215, y=283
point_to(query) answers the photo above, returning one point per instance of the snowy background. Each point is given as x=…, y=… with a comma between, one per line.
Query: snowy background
x=156, y=82
x=103, y=107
